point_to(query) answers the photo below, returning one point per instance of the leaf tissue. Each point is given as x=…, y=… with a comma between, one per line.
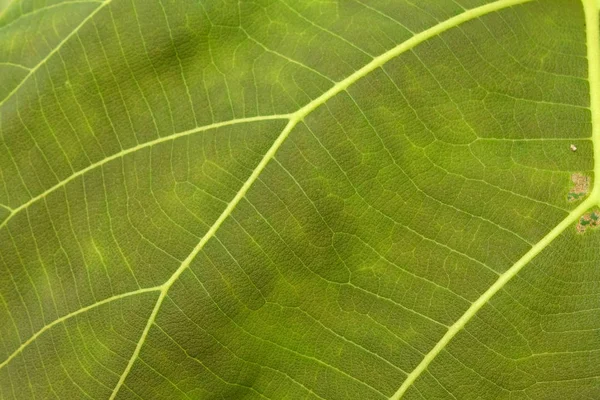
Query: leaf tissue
x=300, y=199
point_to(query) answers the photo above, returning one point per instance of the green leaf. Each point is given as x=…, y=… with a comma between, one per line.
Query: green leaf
x=287, y=199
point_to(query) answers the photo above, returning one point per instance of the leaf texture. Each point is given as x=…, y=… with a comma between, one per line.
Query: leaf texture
x=285, y=199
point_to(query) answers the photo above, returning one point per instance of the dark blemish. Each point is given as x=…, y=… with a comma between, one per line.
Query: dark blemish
x=581, y=188
x=588, y=220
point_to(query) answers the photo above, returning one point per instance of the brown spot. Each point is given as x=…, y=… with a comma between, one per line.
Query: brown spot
x=582, y=185
x=588, y=220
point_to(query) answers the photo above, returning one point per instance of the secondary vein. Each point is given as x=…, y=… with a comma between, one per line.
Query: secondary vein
x=488, y=294
x=296, y=118
x=71, y=315
x=591, y=8
x=130, y=150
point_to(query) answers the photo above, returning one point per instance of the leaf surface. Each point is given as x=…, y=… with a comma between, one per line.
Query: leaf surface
x=299, y=199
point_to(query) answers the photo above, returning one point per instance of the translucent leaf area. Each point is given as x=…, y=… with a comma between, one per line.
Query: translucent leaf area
x=299, y=199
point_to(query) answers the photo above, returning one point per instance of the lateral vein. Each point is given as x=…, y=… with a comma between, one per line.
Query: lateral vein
x=71, y=315
x=487, y=295
x=211, y=232
x=130, y=150
x=591, y=8
x=296, y=118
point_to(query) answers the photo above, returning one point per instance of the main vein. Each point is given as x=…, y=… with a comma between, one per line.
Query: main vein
x=591, y=8
x=296, y=118
x=591, y=12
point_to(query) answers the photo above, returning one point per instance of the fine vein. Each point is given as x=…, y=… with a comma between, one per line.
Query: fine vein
x=62, y=42
x=487, y=295
x=593, y=54
x=296, y=118
x=130, y=150
x=591, y=13
x=71, y=315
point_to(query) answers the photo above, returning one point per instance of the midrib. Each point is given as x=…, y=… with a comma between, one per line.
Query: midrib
x=592, y=35
x=591, y=8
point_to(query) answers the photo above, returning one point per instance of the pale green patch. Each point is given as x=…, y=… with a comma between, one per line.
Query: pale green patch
x=299, y=199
